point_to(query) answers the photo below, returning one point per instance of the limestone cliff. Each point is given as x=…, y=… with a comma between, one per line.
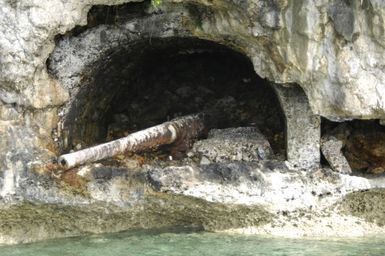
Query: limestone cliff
x=54, y=55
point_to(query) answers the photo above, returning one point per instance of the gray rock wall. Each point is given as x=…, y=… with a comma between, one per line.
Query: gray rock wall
x=334, y=50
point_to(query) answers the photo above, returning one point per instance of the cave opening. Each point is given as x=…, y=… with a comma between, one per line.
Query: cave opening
x=159, y=79
x=133, y=67
x=355, y=147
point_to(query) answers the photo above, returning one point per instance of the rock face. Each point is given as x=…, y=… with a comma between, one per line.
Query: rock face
x=332, y=150
x=240, y=144
x=58, y=65
x=356, y=145
x=267, y=183
x=286, y=34
x=338, y=63
x=365, y=148
x=334, y=50
x=303, y=128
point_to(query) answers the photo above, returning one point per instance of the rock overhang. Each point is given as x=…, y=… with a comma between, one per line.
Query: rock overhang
x=279, y=52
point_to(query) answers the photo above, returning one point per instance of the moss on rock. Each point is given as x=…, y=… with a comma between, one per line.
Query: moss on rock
x=27, y=222
x=368, y=204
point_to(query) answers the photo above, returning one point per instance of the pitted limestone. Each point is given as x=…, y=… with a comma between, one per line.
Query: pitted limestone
x=303, y=128
x=332, y=151
x=233, y=144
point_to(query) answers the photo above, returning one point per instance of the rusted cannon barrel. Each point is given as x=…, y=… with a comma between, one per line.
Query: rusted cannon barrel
x=178, y=129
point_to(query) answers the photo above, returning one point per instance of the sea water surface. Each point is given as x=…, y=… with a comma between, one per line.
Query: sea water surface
x=185, y=244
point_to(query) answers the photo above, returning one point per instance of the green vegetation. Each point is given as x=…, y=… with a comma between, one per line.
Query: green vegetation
x=156, y=3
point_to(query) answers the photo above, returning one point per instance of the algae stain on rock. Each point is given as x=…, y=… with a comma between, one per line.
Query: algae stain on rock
x=159, y=210
x=367, y=204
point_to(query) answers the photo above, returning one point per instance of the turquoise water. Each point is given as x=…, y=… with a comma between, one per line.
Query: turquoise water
x=185, y=244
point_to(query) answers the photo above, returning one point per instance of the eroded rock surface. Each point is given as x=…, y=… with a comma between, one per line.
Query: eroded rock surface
x=367, y=204
x=332, y=150
x=262, y=196
x=365, y=149
x=267, y=183
x=303, y=128
x=333, y=49
x=232, y=144
x=361, y=143
x=23, y=223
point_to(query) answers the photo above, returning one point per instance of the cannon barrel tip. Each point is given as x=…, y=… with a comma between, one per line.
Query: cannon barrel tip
x=66, y=161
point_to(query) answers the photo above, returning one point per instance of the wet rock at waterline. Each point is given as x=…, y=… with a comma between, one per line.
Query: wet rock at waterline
x=27, y=222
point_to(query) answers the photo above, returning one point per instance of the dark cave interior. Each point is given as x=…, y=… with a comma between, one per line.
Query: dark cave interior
x=162, y=78
x=154, y=80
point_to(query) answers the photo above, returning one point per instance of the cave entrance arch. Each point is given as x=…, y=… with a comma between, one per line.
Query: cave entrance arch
x=138, y=68
x=161, y=78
